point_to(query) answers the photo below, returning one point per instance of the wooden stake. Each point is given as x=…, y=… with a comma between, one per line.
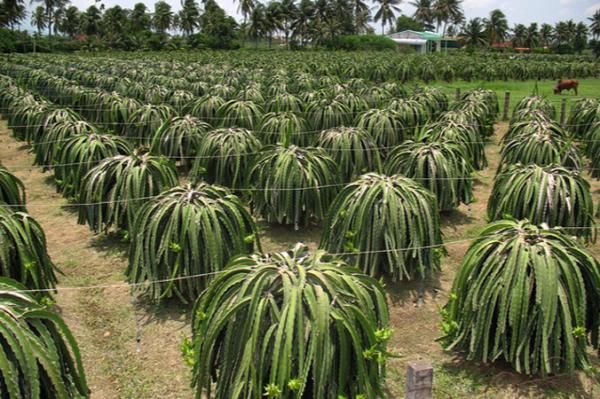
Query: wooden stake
x=506, y=106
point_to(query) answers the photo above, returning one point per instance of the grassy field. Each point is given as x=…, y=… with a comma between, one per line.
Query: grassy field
x=131, y=348
x=518, y=90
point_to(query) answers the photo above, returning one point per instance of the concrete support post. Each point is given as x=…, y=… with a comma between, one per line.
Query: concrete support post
x=419, y=380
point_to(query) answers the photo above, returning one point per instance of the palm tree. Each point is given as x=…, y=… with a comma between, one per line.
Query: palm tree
x=546, y=34
x=49, y=7
x=90, y=21
x=448, y=11
x=473, y=33
x=163, y=16
x=386, y=12
x=256, y=25
x=289, y=13
x=300, y=26
x=423, y=13
x=189, y=16
x=59, y=16
x=580, y=37
x=38, y=19
x=595, y=25
x=362, y=15
x=496, y=27
x=273, y=19
x=139, y=18
x=114, y=22
x=12, y=12
x=519, y=35
x=245, y=7
x=70, y=24
x=532, y=37
x=564, y=32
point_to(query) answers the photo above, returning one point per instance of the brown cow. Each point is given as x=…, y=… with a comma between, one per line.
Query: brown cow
x=569, y=84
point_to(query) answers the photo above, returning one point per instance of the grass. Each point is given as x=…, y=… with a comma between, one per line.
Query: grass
x=131, y=349
x=518, y=89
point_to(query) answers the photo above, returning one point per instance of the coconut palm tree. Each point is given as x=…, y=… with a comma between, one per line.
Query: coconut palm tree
x=300, y=27
x=473, y=33
x=71, y=21
x=12, y=12
x=496, y=27
x=446, y=11
x=39, y=19
x=256, y=26
x=245, y=7
x=90, y=21
x=519, y=35
x=532, y=37
x=188, y=16
x=50, y=6
x=386, y=13
x=580, y=37
x=595, y=24
x=163, y=16
x=362, y=16
x=139, y=20
x=423, y=12
x=546, y=34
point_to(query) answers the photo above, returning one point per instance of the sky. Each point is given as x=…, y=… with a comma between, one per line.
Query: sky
x=517, y=11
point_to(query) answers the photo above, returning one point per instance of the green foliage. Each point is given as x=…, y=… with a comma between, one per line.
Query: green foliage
x=12, y=190
x=383, y=125
x=219, y=31
x=291, y=324
x=551, y=194
x=593, y=150
x=327, y=114
x=294, y=185
x=391, y=223
x=536, y=103
x=48, y=150
x=368, y=42
x=23, y=254
x=583, y=116
x=443, y=168
x=525, y=295
x=465, y=135
x=40, y=357
x=541, y=148
x=354, y=151
x=179, y=138
x=113, y=191
x=240, y=113
x=285, y=128
x=184, y=232
x=535, y=123
x=146, y=120
x=225, y=157
x=412, y=114
x=79, y=154
x=206, y=108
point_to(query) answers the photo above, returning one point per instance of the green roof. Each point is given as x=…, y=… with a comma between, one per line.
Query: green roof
x=426, y=35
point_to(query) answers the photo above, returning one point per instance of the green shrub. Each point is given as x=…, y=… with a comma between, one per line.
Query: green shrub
x=526, y=295
x=290, y=325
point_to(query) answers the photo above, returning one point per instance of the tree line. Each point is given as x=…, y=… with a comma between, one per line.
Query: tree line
x=298, y=22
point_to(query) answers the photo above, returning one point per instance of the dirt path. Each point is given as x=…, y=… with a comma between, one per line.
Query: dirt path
x=102, y=320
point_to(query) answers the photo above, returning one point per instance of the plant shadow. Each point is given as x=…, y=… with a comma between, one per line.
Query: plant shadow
x=170, y=309
x=499, y=376
x=111, y=243
x=413, y=292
